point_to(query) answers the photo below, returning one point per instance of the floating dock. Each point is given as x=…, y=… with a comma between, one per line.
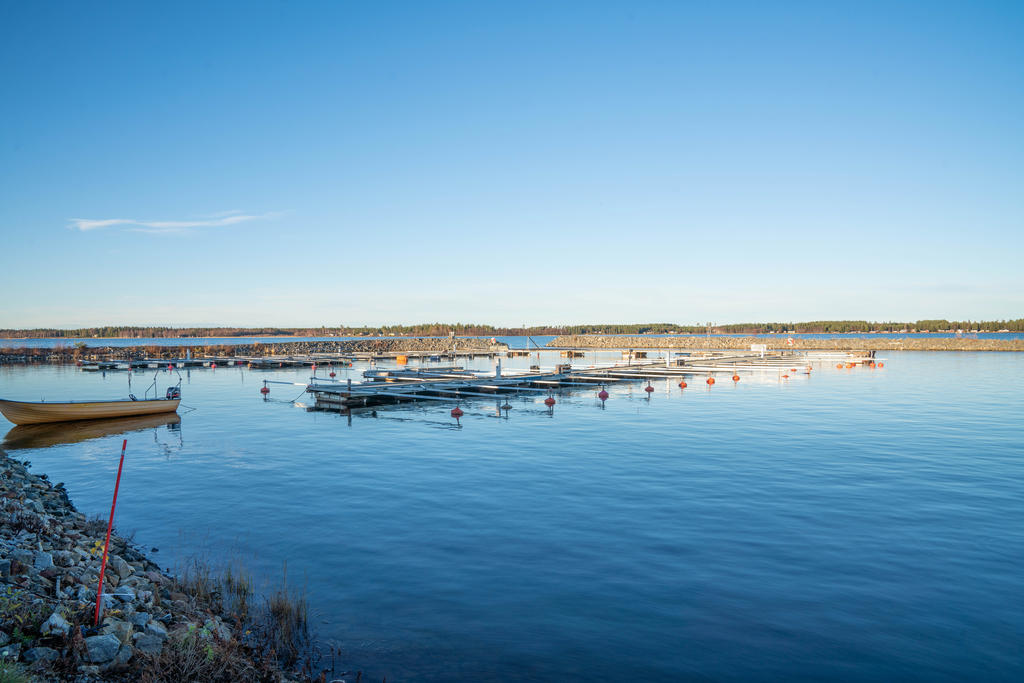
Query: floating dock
x=396, y=385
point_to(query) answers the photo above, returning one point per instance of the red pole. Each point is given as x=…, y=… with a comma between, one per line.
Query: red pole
x=106, y=547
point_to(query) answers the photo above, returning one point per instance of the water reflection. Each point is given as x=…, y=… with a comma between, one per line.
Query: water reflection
x=59, y=433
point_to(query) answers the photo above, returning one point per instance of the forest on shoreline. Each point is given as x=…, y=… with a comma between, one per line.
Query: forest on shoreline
x=474, y=330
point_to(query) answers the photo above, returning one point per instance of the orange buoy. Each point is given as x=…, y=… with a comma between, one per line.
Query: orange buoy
x=735, y=378
x=603, y=395
x=314, y=367
x=839, y=365
x=849, y=365
x=213, y=365
x=457, y=412
x=549, y=401
x=785, y=377
x=792, y=369
x=682, y=385
x=881, y=365
x=711, y=380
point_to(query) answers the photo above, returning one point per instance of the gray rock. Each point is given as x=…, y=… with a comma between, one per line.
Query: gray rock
x=155, y=628
x=149, y=644
x=4, y=638
x=218, y=629
x=139, y=619
x=26, y=557
x=117, y=563
x=37, y=506
x=64, y=558
x=5, y=568
x=124, y=594
x=124, y=655
x=10, y=651
x=100, y=649
x=36, y=654
x=121, y=629
x=55, y=625
x=43, y=561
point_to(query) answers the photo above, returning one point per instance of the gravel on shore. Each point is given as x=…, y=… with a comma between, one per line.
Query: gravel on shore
x=154, y=627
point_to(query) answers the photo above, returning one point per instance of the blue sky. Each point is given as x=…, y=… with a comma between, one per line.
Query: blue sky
x=334, y=163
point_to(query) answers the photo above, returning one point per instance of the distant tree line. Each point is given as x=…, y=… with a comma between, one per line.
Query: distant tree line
x=474, y=330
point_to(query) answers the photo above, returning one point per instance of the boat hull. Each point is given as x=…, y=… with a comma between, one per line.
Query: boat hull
x=26, y=413
x=59, y=433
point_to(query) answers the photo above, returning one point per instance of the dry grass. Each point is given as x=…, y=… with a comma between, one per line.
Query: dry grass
x=276, y=627
x=193, y=656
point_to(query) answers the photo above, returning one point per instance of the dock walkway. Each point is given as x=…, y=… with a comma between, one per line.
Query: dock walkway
x=384, y=386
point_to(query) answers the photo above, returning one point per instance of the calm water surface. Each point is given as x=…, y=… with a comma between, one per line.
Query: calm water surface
x=848, y=525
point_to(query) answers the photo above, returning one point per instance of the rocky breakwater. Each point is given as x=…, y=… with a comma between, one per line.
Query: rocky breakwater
x=377, y=345
x=275, y=348
x=866, y=343
x=154, y=627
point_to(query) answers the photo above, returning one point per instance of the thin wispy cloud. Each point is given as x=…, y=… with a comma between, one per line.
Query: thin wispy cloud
x=85, y=224
x=217, y=220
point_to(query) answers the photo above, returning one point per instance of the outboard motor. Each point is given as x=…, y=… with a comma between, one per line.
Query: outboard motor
x=173, y=392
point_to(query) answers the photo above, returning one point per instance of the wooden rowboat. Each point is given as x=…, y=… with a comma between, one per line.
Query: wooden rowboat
x=25, y=413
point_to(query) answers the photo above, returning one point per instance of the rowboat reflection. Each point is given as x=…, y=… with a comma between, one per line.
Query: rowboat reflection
x=59, y=433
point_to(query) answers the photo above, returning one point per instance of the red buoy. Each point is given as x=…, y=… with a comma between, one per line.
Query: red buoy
x=603, y=395
x=333, y=375
x=213, y=365
x=264, y=390
x=648, y=388
x=457, y=412
x=549, y=401
x=711, y=380
x=735, y=378
x=169, y=367
x=682, y=385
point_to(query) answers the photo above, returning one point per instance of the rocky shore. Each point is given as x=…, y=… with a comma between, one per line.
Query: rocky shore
x=283, y=348
x=867, y=343
x=155, y=627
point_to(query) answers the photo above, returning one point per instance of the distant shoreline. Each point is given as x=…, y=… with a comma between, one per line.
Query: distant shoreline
x=863, y=343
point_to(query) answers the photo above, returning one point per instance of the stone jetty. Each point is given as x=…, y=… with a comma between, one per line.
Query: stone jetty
x=155, y=627
x=865, y=343
x=276, y=348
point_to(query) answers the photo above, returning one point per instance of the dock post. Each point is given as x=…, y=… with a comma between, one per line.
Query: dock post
x=497, y=368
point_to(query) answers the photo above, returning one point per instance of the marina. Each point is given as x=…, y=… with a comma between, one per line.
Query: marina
x=677, y=521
